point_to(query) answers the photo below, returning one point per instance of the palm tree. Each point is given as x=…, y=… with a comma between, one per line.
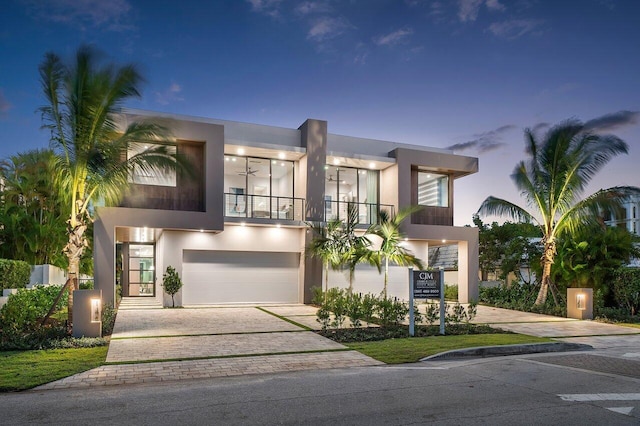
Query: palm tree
x=83, y=98
x=326, y=245
x=391, y=250
x=30, y=210
x=354, y=247
x=552, y=180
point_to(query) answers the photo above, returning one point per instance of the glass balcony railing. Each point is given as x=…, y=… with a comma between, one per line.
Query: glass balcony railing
x=368, y=213
x=263, y=207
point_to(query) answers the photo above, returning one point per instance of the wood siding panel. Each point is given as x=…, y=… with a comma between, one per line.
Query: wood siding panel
x=187, y=195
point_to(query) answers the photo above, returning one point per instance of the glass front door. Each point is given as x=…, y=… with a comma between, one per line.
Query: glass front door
x=142, y=271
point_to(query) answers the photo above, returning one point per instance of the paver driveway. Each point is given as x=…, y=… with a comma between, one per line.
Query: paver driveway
x=210, y=342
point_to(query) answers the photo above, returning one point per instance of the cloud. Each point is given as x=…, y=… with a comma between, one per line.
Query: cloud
x=326, y=28
x=540, y=127
x=484, y=142
x=171, y=94
x=394, y=37
x=514, y=28
x=495, y=5
x=614, y=121
x=5, y=105
x=267, y=7
x=311, y=7
x=468, y=10
x=112, y=14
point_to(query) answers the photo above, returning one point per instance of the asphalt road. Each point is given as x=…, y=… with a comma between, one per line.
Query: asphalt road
x=499, y=391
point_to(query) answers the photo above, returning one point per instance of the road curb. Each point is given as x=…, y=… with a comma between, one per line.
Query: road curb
x=504, y=350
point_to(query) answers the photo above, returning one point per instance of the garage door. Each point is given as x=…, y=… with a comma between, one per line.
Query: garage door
x=239, y=277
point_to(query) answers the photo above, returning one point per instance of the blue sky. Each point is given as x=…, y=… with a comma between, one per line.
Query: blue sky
x=467, y=74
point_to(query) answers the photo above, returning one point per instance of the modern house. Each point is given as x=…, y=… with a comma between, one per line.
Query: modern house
x=235, y=226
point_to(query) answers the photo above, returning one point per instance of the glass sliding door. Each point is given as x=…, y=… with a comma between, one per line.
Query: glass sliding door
x=142, y=271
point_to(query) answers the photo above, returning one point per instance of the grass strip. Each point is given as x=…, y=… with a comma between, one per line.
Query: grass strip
x=20, y=370
x=297, y=324
x=198, y=358
x=412, y=349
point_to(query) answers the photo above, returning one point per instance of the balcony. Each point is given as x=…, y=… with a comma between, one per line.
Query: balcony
x=368, y=213
x=263, y=207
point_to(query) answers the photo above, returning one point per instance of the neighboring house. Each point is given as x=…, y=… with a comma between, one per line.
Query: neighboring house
x=235, y=227
x=629, y=219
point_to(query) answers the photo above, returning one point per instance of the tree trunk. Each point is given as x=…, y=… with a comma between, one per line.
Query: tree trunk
x=547, y=260
x=326, y=281
x=74, y=249
x=386, y=275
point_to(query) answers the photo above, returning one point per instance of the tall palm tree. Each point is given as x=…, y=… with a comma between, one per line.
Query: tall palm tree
x=559, y=168
x=92, y=162
x=391, y=249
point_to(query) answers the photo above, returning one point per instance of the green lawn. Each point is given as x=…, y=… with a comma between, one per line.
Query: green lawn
x=21, y=370
x=398, y=351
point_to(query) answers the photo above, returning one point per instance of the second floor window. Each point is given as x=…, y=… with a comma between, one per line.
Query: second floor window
x=433, y=189
x=148, y=175
x=262, y=187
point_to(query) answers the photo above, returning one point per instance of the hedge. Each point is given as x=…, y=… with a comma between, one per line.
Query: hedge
x=14, y=273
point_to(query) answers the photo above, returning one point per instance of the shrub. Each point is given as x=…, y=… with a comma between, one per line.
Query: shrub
x=324, y=317
x=172, y=283
x=20, y=319
x=392, y=312
x=24, y=309
x=317, y=296
x=355, y=310
x=626, y=289
x=14, y=274
x=432, y=313
x=451, y=292
x=108, y=319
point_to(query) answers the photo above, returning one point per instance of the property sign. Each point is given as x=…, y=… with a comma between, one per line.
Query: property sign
x=426, y=284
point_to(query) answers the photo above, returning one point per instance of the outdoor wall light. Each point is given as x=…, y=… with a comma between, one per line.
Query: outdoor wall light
x=96, y=310
x=581, y=299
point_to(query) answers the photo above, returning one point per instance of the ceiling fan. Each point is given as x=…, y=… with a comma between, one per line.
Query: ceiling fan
x=249, y=171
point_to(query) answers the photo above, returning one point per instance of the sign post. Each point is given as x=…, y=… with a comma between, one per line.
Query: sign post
x=412, y=320
x=426, y=285
x=443, y=311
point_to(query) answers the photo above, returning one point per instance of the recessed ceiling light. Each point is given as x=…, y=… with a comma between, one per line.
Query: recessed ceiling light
x=336, y=161
x=444, y=241
x=281, y=156
x=240, y=151
x=372, y=165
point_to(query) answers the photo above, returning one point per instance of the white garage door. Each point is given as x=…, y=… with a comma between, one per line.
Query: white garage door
x=211, y=277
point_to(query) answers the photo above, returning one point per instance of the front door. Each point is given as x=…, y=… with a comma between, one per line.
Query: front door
x=142, y=271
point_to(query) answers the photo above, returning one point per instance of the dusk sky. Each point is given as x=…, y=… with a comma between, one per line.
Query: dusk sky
x=468, y=75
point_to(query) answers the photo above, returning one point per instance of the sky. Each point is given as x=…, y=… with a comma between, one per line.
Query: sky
x=468, y=75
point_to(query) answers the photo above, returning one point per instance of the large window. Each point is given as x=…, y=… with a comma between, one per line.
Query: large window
x=146, y=175
x=433, y=189
x=258, y=187
x=346, y=185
